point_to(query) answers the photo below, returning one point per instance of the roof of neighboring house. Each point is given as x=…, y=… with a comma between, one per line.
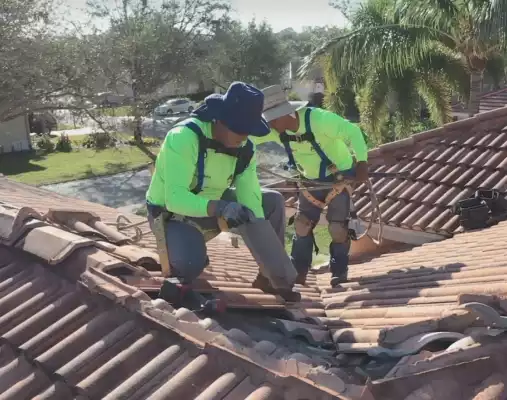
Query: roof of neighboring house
x=487, y=102
x=446, y=165
x=74, y=322
x=493, y=100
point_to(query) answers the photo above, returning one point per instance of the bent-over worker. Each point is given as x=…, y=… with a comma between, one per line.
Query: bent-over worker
x=200, y=159
x=318, y=144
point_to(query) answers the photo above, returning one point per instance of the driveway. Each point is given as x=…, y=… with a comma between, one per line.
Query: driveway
x=127, y=188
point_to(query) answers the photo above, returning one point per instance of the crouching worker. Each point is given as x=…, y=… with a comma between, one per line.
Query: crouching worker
x=318, y=144
x=200, y=160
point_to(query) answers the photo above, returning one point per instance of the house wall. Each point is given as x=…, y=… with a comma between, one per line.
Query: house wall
x=14, y=135
x=365, y=248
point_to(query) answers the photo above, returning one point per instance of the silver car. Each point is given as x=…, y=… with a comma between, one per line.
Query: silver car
x=173, y=106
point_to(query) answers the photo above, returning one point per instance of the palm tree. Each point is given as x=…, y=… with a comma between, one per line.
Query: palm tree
x=476, y=30
x=376, y=61
x=401, y=48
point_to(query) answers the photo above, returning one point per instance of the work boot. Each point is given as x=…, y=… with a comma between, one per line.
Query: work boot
x=301, y=278
x=262, y=283
x=339, y=279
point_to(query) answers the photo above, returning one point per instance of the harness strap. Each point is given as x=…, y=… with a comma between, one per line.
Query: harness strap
x=201, y=155
x=290, y=155
x=325, y=164
x=243, y=154
x=339, y=188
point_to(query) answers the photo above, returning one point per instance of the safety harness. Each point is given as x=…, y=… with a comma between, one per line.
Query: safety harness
x=326, y=165
x=243, y=154
x=160, y=214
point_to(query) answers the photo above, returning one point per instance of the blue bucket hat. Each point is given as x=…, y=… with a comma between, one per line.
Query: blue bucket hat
x=239, y=109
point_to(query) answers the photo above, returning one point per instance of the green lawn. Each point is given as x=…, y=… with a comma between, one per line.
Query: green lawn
x=67, y=127
x=123, y=111
x=321, y=237
x=37, y=169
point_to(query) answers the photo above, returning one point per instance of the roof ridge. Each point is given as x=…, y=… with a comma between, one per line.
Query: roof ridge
x=498, y=115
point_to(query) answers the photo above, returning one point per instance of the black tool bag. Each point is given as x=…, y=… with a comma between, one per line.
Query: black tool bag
x=483, y=209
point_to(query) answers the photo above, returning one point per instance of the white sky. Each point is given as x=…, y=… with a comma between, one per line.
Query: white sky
x=280, y=14
x=283, y=14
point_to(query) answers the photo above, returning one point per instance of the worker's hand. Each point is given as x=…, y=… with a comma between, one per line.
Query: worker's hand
x=361, y=171
x=233, y=213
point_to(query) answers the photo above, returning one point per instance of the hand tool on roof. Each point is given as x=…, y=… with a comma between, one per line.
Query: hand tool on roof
x=160, y=239
x=181, y=295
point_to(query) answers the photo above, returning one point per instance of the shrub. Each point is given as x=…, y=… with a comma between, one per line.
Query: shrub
x=64, y=144
x=99, y=140
x=146, y=141
x=45, y=144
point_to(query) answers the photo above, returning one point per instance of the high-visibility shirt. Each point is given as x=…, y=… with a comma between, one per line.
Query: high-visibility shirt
x=175, y=176
x=340, y=140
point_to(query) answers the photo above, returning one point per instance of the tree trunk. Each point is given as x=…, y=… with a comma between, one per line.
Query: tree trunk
x=138, y=135
x=475, y=90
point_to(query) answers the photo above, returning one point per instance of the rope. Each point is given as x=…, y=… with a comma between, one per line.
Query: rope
x=123, y=223
x=344, y=184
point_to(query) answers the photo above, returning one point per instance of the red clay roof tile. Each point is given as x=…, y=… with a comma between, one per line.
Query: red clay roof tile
x=389, y=300
x=446, y=165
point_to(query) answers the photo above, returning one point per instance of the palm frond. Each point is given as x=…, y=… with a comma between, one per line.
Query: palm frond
x=491, y=22
x=495, y=68
x=407, y=102
x=449, y=66
x=394, y=46
x=437, y=96
x=373, y=102
x=442, y=15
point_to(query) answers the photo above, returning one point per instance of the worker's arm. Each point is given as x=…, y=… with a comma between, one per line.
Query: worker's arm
x=248, y=189
x=334, y=126
x=179, y=157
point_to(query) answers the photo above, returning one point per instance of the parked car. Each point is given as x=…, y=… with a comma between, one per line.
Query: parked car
x=109, y=99
x=174, y=106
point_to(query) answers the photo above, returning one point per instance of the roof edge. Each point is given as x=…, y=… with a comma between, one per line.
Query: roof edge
x=402, y=235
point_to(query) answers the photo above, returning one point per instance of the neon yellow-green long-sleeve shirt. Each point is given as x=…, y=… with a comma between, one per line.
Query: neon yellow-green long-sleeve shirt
x=336, y=136
x=175, y=176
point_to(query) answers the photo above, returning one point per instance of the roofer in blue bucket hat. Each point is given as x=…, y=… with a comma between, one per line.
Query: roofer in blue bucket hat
x=206, y=171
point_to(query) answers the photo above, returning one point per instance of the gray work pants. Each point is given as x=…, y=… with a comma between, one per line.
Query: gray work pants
x=186, y=239
x=337, y=217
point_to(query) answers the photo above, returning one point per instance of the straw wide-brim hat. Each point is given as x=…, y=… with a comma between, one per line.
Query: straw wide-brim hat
x=276, y=104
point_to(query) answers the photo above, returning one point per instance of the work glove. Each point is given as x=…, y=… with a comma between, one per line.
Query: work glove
x=233, y=213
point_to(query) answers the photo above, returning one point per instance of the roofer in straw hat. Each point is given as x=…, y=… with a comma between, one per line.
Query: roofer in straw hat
x=200, y=159
x=319, y=144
